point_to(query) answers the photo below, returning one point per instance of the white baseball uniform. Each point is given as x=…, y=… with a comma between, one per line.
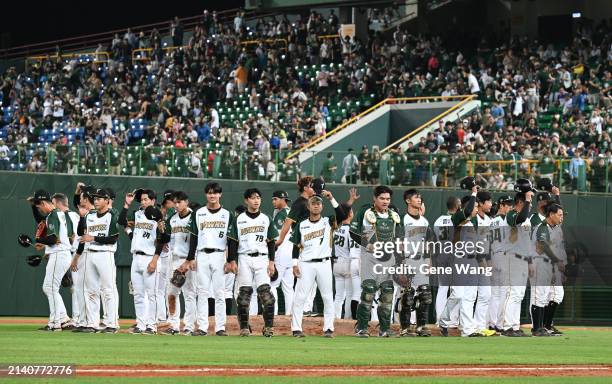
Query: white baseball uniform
x=282, y=262
x=481, y=312
x=443, y=229
x=315, y=240
x=77, y=279
x=500, y=259
x=346, y=271
x=212, y=228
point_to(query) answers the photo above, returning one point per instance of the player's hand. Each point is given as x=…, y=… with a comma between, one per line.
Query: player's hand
x=39, y=246
x=561, y=266
x=165, y=248
x=555, y=190
x=422, y=209
x=327, y=194
x=161, y=226
x=83, y=211
x=184, y=267
x=227, y=268
x=152, y=266
x=129, y=197
x=46, y=257
x=296, y=271
x=86, y=238
x=353, y=195
x=74, y=262
x=529, y=196
x=78, y=187
x=277, y=244
x=531, y=269
x=271, y=268
x=233, y=267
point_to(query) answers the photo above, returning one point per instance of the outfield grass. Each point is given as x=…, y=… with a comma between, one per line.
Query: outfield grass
x=23, y=344
x=323, y=380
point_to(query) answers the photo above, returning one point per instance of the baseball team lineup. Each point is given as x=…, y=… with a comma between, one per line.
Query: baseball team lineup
x=372, y=262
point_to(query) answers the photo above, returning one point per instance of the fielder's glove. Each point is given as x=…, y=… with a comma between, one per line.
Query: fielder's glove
x=67, y=280
x=178, y=278
x=24, y=240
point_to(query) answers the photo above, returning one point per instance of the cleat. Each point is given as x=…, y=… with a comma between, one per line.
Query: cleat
x=298, y=334
x=329, y=334
x=423, y=331
x=187, y=332
x=110, y=330
x=245, y=332
x=476, y=334
x=487, y=332
x=444, y=331
x=136, y=331
x=149, y=331
x=554, y=331
x=520, y=333
x=47, y=328
x=362, y=333
x=387, y=333
x=509, y=333
x=89, y=330
x=407, y=332
x=541, y=332
x=77, y=329
x=307, y=313
x=170, y=332
x=199, y=332
x=268, y=331
x=221, y=332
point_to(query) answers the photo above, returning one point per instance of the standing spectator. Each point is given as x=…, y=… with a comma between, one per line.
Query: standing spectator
x=363, y=161
x=576, y=166
x=329, y=169
x=350, y=165
x=4, y=156
x=176, y=31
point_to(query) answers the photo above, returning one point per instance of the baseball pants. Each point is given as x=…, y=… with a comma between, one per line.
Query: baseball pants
x=481, y=312
x=542, y=283
x=145, y=292
x=463, y=297
x=348, y=285
x=100, y=279
x=311, y=272
x=285, y=281
x=162, y=287
x=511, y=296
x=495, y=307
x=79, y=311
x=444, y=260
x=57, y=266
x=189, y=295
x=210, y=282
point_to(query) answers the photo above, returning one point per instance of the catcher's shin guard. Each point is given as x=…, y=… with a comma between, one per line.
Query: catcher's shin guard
x=385, y=305
x=368, y=289
x=267, y=302
x=423, y=300
x=404, y=306
x=243, y=302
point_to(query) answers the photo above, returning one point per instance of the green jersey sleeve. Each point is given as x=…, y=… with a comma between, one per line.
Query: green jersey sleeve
x=272, y=231
x=232, y=232
x=511, y=218
x=296, y=236
x=458, y=217
x=131, y=216
x=53, y=224
x=113, y=231
x=279, y=219
x=69, y=225
x=193, y=226
x=542, y=234
x=357, y=223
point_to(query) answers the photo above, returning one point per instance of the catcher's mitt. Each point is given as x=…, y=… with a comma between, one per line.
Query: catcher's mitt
x=33, y=260
x=178, y=278
x=41, y=230
x=67, y=280
x=24, y=240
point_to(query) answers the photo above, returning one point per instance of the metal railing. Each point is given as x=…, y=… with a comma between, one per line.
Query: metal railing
x=232, y=162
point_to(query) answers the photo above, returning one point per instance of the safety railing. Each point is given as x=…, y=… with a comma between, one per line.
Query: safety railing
x=269, y=42
x=230, y=161
x=84, y=57
x=145, y=54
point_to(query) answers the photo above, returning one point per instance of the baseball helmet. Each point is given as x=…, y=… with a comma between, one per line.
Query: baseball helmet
x=523, y=186
x=318, y=185
x=33, y=260
x=24, y=240
x=506, y=199
x=468, y=183
x=153, y=213
x=545, y=184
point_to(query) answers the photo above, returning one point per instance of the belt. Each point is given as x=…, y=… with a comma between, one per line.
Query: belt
x=522, y=257
x=212, y=250
x=255, y=254
x=95, y=250
x=141, y=253
x=317, y=260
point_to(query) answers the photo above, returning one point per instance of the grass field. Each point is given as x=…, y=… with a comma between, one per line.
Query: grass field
x=21, y=343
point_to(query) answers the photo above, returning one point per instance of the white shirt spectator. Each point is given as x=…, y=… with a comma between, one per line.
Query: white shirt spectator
x=48, y=105
x=185, y=104
x=597, y=121
x=473, y=84
x=230, y=87
x=214, y=121
x=58, y=110
x=4, y=152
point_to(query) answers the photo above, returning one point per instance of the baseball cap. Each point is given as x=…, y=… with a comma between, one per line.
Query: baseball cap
x=101, y=192
x=281, y=195
x=505, y=200
x=543, y=196
x=41, y=195
x=315, y=198
x=112, y=195
x=168, y=195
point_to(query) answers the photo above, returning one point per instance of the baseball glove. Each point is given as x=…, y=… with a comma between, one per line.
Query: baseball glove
x=41, y=230
x=33, y=260
x=153, y=213
x=67, y=280
x=24, y=240
x=178, y=278
x=274, y=276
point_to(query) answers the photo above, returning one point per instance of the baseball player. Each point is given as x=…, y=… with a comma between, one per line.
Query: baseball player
x=282, y=259
x=148, y=240
x=374, y=225
x=210, y=228
x=463, y=287
x=165, y=260
x=312, y=253
x=443, y=229
x=101, y=237
x=180, y=230
x=557, y=293
x=500, y=251
x=56, y=241
x=481, y=312
x=416, y=293
x=549, y=264
x=251, y=256
x=518, y=258
x=346, y=267
x=60, y=201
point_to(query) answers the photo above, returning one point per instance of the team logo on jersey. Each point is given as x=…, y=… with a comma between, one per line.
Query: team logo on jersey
x=247, y=230
x=145, y=226
x=212, y=224
x=96, y=228
x=315, y=234
x=180, y=230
